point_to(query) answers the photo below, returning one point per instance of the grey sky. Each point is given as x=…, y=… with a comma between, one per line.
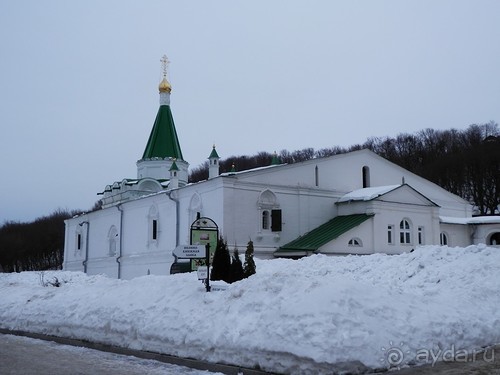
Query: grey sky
x=79, y=82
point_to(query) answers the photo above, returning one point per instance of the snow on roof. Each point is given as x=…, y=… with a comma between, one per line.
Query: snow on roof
x=251, y=170
x=470, y=220
x=367, y=194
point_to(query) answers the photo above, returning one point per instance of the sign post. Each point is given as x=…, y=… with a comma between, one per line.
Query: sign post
x=196, y=252
x=207, y=255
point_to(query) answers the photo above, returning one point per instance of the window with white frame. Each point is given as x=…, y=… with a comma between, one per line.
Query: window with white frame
x=78, y=241
x=355, y=242
x=390, y=234
x=405, y=232
x=269, y=212
x=265, y=219
x=153, y=225
x=420, y=233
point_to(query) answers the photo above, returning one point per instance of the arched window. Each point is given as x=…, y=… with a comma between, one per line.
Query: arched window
x=355, y=242
x=495, y=239
x=405, y=232
x=366, y=176
x=443, y=239
x=270, y=212
x=112, y=240
x=195, y=207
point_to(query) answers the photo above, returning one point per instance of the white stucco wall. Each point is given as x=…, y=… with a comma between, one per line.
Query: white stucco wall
x=233, y=203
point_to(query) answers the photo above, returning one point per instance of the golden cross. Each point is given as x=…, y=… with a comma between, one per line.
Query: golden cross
x=164, y=64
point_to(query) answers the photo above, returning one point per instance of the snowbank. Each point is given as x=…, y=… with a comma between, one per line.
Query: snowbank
x=292, y=316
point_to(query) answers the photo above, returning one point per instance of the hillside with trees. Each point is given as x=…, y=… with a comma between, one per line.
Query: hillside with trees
x=34, y=246
x=464, y=162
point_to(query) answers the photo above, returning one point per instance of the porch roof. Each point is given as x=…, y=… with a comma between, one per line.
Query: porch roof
x=321, y=235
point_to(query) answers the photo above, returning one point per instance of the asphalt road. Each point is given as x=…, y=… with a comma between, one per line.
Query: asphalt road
x=28, y=356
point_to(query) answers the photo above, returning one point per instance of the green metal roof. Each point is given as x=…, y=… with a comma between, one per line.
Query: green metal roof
x=213, y=154
x=325, y=233
x=163, y=141
x=174, y=167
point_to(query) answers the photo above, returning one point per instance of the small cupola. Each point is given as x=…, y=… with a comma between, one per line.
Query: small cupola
x=174, y=176
x=213, y=168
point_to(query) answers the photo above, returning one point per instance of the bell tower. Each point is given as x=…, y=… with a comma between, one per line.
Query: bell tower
x=163, y=148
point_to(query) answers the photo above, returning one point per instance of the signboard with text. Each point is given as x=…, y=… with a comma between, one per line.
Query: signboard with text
x=204, y=231
x=190, y=251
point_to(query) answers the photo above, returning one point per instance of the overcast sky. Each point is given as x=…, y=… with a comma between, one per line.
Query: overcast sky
x=79, y=82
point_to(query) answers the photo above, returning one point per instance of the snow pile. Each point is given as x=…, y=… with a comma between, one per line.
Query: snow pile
x=311, y=315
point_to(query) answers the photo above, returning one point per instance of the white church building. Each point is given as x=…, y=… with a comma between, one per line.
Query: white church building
x=353, y=203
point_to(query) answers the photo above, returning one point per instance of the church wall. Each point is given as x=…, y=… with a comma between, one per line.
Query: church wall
x=383, y=172
x=391, y=214
x=234, y=206
x=457, y=234
x=302, y=210
x=344, y=173
x=74, y=257
x=364, y=234
x=101, y=256
x=147, y=247
x=205, y=198
x=482, y=234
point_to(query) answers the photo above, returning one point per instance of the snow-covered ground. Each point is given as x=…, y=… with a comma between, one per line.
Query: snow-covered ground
x=292, y=316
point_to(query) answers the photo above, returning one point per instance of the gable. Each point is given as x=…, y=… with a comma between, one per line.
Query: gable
x=393, y=193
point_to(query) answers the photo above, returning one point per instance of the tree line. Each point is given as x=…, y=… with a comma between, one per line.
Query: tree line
x=464, y=162
x=33, y=246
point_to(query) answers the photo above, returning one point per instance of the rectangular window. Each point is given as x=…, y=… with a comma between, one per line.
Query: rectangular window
x=78, y=241
x=155, y=229
x=390, y=231
x=420, y=235
x=276, y=220
x=265, y=220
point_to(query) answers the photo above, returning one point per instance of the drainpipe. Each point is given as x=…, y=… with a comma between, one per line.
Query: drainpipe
x=177, y=225
x=118, y=258
x=86, y=246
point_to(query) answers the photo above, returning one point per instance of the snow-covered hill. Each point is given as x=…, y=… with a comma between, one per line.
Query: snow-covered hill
x=317, y=313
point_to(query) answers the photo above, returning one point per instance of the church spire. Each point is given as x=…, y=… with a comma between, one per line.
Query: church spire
x=163, y=144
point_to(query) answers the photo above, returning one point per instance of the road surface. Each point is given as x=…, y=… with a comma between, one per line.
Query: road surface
x=28, y=356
